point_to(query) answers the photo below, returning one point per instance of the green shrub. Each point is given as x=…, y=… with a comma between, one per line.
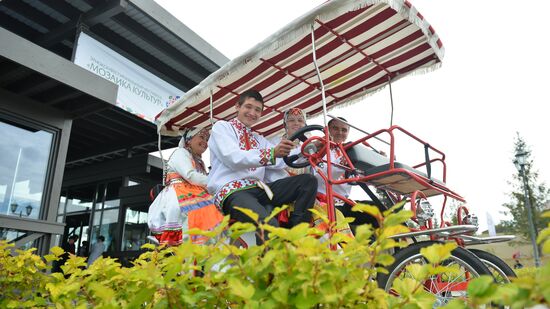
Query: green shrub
x=526, y=272
x=530, y=288
x=292, y=269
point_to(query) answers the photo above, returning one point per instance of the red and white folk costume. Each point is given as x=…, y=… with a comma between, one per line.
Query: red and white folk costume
x=246, y=174
x=247, y=159
x=184, y=203
x=336, y=156
x=320, y=204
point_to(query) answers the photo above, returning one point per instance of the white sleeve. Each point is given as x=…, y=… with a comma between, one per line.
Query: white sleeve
x=275, y=174
x=279, y=164
x=182, y=162
x=274, y=140
x=224, y=145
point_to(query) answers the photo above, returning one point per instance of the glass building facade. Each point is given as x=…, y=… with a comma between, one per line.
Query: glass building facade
x=26, y=174
x=72, y=162
x=26, y=152
x=101, y=209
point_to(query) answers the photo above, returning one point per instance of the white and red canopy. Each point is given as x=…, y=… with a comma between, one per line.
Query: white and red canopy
x=359, y=46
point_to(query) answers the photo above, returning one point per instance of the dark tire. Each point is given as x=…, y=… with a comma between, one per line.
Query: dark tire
x=465, y=259
x=499, y=269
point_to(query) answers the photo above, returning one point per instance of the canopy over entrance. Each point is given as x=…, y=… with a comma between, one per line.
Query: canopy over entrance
x=360, y=47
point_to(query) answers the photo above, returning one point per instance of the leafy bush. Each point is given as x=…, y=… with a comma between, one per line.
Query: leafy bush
x=530, y=288
x=292, y=269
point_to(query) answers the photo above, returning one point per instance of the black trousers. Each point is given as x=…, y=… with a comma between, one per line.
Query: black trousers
x=360, y=217
x=300, y=189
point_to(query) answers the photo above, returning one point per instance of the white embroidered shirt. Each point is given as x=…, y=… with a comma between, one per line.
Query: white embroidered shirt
x=239, y=158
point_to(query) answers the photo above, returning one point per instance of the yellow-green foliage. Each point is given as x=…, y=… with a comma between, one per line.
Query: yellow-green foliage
x=531, y=287
x=293, y=269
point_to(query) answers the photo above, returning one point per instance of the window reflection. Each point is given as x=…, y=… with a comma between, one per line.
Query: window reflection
x=93, y=210
x=81, y=199
x=106, y=225
x=132, y=183
x=111, y=198
x=12, y=235
x=23, y=168
x=62, y=203
x=135, y=230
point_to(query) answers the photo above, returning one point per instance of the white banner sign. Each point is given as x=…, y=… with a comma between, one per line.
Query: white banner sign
x=139, y=92
x=491, y=225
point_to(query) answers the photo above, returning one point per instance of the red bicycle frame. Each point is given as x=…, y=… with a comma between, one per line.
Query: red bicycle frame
x=426, y=182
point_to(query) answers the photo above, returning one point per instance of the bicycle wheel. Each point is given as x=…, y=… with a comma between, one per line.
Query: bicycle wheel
x=499, y=269
x=445, y=287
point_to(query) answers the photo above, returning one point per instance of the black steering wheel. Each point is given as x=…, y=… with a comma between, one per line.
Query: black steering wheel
x=301, y=135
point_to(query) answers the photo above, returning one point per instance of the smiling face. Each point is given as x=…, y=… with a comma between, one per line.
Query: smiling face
x=294, y=123
x=338, y=131
x=249, y=111
x=199, y=142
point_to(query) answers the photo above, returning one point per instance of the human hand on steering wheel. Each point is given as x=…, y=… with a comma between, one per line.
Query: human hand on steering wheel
x=311, y=147
x=283, y=148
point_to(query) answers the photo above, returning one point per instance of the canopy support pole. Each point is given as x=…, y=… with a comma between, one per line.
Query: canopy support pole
x=161, y=157
x=324, y=99
x=331, y=212
x=391, y=100
x=211, y=109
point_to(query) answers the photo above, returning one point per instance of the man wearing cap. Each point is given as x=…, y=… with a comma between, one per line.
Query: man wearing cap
x=240, y=159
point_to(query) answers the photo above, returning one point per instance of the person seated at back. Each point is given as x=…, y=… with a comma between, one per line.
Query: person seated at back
x=184, y=203
x=339, y=131
x=293, y=120
x=240, y=159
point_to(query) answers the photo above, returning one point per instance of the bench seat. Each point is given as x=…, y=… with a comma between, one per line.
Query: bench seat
x=401, y=180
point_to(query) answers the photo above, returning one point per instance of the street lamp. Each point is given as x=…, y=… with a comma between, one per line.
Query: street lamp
x=520, y=162
x=28, y=209
x=13, y=207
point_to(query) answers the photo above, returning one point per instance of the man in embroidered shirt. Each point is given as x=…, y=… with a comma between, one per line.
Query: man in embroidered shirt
x=240, y=159
x=338, y=131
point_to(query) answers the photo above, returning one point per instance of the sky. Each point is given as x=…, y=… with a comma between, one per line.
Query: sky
x=493, y=83
x=25, y=153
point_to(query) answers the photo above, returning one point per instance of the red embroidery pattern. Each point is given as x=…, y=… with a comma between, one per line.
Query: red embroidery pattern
x=232, y=187
x=339, y=157
x=265, y=156
x=343, y=161
x=253, y=143
x=247, y=140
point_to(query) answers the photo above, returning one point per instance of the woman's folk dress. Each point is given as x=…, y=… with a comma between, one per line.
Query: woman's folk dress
x=184, y=203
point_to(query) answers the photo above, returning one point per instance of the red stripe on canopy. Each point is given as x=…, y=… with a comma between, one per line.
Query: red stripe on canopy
x=359, y=46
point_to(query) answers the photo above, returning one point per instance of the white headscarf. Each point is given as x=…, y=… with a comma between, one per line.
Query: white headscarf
x=187, y=135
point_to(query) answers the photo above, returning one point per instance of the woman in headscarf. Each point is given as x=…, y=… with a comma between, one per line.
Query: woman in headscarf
x=184, y=203
x=293, y=120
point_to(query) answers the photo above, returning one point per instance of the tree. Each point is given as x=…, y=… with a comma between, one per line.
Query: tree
x=451, y=214
x=538, y=192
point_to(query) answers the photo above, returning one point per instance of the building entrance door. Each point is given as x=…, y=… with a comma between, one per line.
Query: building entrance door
x=78, y=224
